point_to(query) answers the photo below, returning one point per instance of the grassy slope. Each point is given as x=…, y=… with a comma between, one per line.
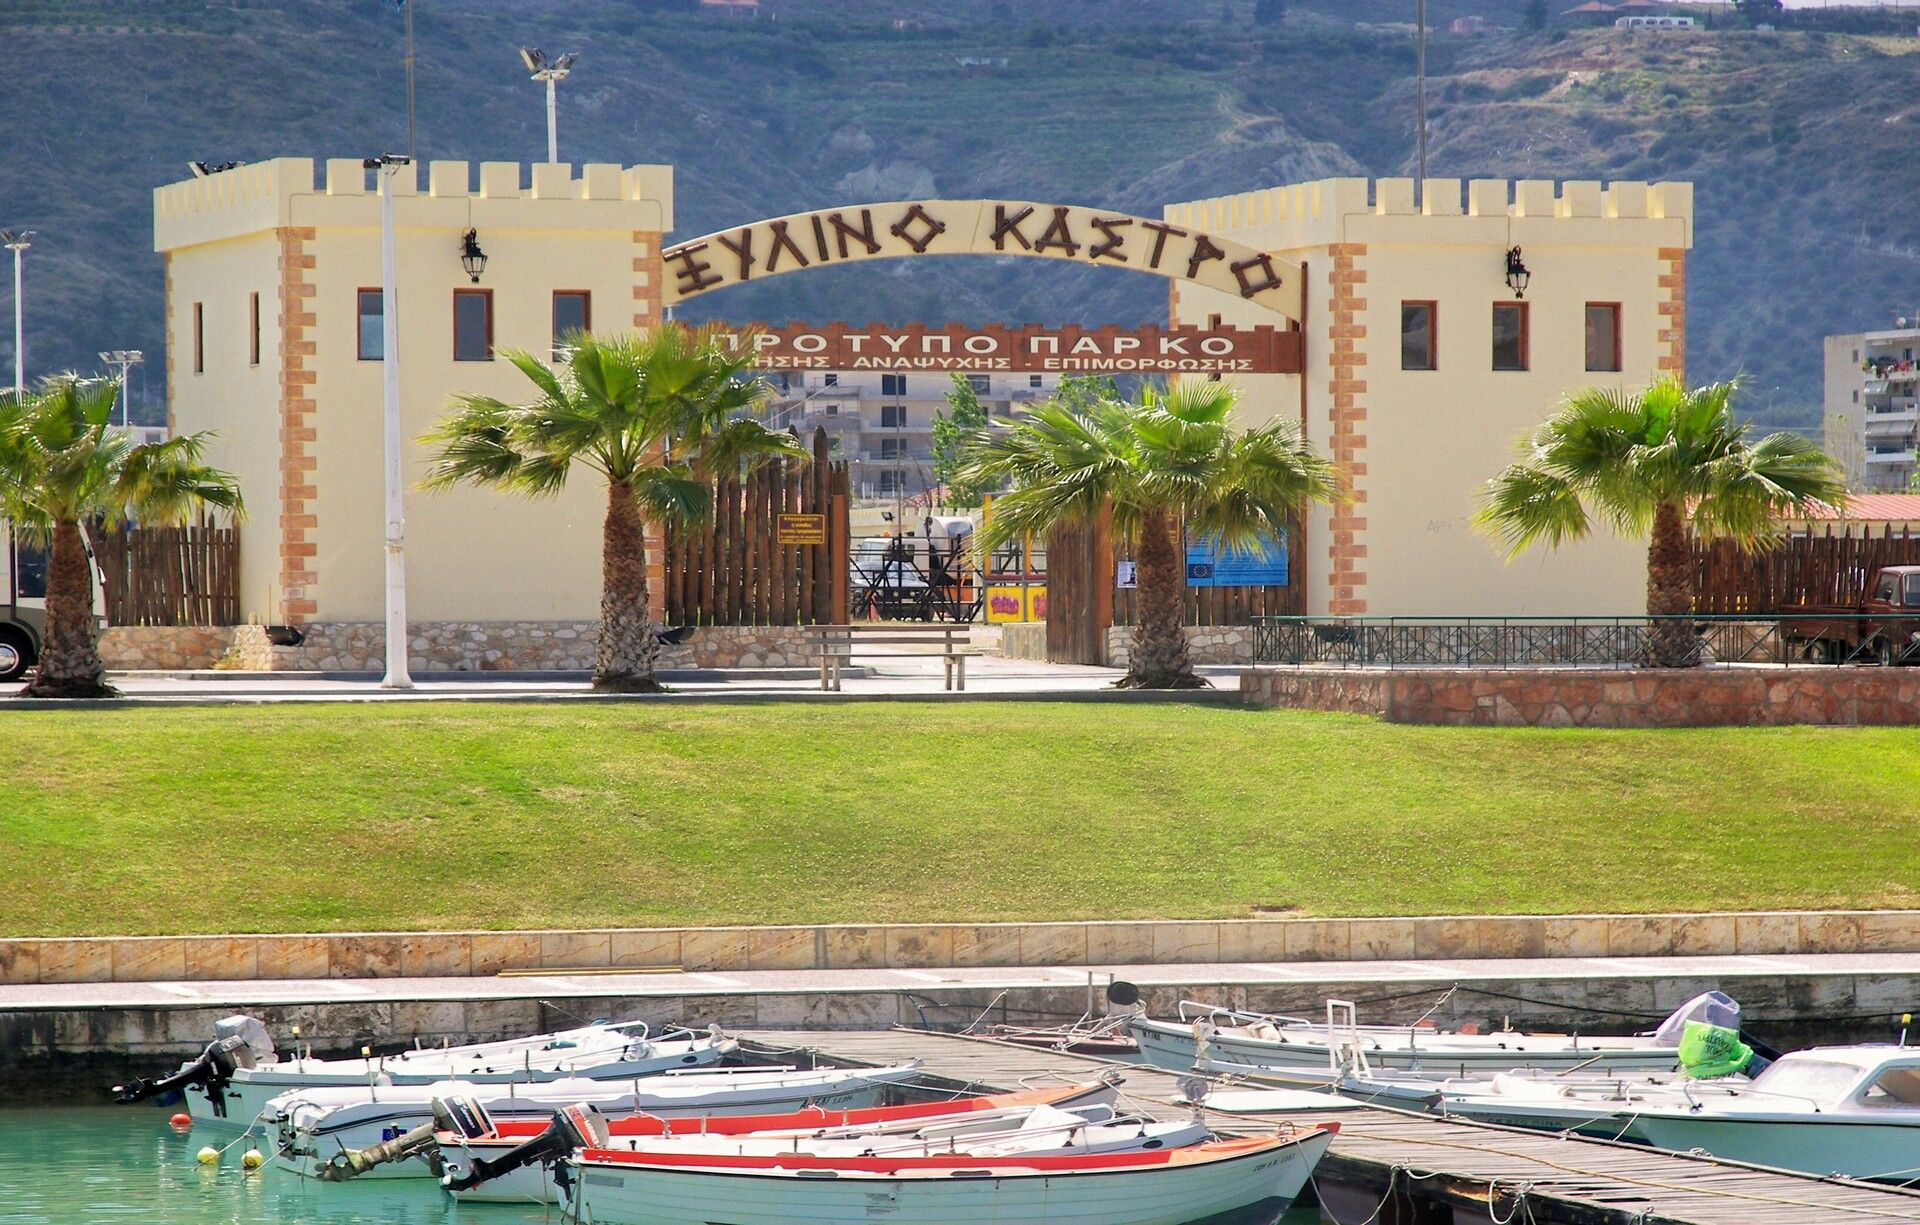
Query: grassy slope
x=1800, y=144
x=349, y=817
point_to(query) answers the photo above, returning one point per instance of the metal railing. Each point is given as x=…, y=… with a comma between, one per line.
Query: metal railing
x=1585, y=642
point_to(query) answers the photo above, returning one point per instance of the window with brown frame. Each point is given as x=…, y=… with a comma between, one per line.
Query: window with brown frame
x=199, y=339
x=572, y=312
x=1510, y=335
x=372, y=338
x=1418, y=336
x=1603, y=336
x=253, y=329
x=473, y=325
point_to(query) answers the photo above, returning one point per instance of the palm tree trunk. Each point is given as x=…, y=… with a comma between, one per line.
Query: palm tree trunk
x=1671, y=643
x=1159, y=640
x=626, y=650
x=70, y=664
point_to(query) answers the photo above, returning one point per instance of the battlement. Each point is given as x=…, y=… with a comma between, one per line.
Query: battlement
x=285, y=191
x=1317, y=212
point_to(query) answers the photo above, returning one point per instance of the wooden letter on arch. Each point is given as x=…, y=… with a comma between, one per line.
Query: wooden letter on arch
x=912, y=228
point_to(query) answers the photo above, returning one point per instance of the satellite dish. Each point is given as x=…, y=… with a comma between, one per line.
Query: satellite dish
x=1194, y=1089
x=1123, y=993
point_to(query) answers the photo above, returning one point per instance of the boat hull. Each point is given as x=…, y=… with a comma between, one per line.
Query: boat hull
x=1170, y=1195
x=1834, y=1145
x=1173, y=1047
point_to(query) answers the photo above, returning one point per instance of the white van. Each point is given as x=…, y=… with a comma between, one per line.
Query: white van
x=23, y=604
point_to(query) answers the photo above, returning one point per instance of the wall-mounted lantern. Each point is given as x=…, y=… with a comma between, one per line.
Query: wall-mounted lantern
x=472, y=258
x=1517, y=273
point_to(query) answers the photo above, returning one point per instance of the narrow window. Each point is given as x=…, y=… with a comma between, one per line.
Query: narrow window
x=1417, y=349
x=473, y=325
x=893, y=384
x=1036, y=380
x=893, y=416
x=981, y=383
x=572, y=312
x=1509, y=335
x=253, y=329
x=833, y=380
x=199, y=339
x=373, y=344
x=1603, y=335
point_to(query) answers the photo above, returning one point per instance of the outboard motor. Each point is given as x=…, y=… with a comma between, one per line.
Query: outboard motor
x=239, y=1042
x=573, y=1127
x=463, y=1115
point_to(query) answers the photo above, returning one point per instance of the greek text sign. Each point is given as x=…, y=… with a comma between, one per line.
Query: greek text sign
x=792, y=529
x=1063, y=350
x=979, y=227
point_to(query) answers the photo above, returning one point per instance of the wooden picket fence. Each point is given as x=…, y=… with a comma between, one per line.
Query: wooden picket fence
x=729, y=569
x=170, y=575
x=1826, y=567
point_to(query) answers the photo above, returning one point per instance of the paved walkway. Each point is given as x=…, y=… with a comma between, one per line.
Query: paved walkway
x=989, y=677
x=1898, y=969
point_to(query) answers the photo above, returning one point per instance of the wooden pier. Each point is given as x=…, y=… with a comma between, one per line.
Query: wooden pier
x=1414, y=1166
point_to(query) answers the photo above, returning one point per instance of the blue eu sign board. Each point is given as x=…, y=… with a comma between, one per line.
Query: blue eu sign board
x=1209, y=565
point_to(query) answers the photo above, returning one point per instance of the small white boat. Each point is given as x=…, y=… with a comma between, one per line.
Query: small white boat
x=1206, y=1038
x=1603, y=1107
x=231, y=1081
x=311, y=1129
x=1159, y=1187
x=506, y=1164
x=1852, y=1110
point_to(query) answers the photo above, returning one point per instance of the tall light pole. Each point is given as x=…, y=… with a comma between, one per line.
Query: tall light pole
x=552, y=71
x=1420, y=87
x=397, y=677
x=17, y=241
x=125, y=359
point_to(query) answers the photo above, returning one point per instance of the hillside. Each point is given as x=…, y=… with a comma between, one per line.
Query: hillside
x=1800, y=143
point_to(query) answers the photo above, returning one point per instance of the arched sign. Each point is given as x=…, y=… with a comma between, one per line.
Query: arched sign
x=979, y=227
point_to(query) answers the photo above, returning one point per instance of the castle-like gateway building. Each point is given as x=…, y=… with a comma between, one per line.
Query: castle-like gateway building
x=1433, y=330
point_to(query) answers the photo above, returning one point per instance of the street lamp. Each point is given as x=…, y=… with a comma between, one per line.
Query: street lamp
x=397, y=677
x=472, y=258
x=17, y=241
x=552, y=71
x=125, y=359
x=1518, y=273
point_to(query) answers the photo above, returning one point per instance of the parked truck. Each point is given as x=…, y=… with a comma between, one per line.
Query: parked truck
x=1884, y=628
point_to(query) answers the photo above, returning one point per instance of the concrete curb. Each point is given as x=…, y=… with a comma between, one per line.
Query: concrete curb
x=364, y=955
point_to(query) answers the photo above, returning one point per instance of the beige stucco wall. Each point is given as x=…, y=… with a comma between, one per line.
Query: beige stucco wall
x=1424, y=442
x=473, y=555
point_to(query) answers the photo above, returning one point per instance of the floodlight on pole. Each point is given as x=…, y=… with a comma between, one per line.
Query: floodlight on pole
x=17, y=241
x=125, y=359
x=397, y=676
x=552, y=71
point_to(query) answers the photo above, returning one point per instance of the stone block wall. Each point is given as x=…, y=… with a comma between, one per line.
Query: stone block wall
x=1206, y=644
x=1599, y=697
x=1024, y=640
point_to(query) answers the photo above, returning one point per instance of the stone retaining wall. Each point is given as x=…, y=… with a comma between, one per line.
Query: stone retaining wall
x=1202, y=941
x=1024, y=640
x=1206, y=644
x=441, y=646
x=1599, y=697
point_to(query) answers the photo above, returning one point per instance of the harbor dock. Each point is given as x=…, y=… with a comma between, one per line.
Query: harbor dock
x=1394, y=1167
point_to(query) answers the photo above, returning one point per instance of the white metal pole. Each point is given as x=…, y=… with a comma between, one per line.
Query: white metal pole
x=125, y=407
x=553, y=123
x=397, y=676
x=19, y=332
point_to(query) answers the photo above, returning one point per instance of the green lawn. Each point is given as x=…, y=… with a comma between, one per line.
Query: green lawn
x=342, y=817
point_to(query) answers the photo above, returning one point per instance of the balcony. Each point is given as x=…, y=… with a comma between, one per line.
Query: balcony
x=1900, y=417
x=1892, y=455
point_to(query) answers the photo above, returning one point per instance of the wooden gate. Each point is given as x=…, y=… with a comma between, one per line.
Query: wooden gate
x=731, y=569
x=170, y=575
x=1079, y=593
x=1827, y=568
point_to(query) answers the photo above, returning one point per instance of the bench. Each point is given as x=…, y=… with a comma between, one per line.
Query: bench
x=835, y=644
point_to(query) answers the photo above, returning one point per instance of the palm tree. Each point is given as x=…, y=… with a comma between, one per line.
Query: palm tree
x=1639, y=462
x=656, y=417
x=1167, y=463
x=64, y=467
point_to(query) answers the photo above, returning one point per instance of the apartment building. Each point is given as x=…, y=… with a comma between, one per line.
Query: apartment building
x=881, y=422
x=1869, y=415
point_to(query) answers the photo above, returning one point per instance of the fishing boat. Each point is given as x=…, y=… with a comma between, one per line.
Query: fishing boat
x=1604, y=1107
x=1207, y=1038
x=241, y=1070
x=514, y=1162
x=311, y=1130
x=1164, y=1186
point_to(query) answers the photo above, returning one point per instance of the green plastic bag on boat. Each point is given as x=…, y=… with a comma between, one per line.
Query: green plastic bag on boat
x=1709, y=1051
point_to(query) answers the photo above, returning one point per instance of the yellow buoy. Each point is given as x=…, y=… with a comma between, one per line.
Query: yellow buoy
x=252, y=1159
x=207, y=1155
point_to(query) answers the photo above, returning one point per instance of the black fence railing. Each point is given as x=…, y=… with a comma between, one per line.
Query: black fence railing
x=1587, y=642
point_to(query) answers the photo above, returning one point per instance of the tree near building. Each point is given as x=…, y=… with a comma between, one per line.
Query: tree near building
x=656, y=417
x=1757, y=11
x=66, y=469
x=1642, y=463
x=951, y=437
x=1167, y=464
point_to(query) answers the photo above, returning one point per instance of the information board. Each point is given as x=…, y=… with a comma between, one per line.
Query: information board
x=1209, y=565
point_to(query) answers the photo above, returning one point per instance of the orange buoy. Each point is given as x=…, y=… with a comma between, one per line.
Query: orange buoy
x=181, y=1121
